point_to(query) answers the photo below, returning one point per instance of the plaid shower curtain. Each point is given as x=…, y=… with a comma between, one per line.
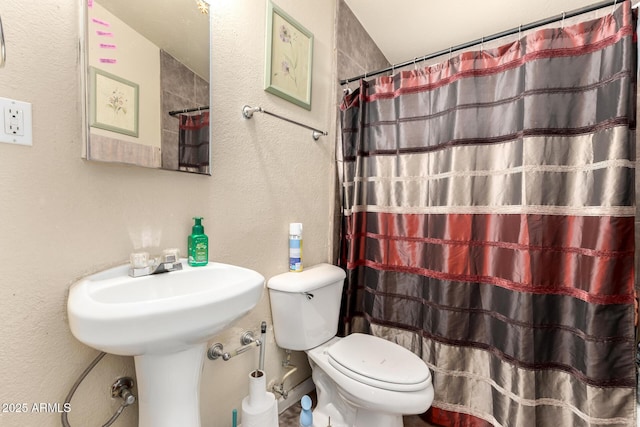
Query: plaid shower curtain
x=488, y=225
x=193, y=143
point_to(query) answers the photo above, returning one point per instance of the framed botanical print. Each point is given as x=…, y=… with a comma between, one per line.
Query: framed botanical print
x=289, y=58
x=113, y=103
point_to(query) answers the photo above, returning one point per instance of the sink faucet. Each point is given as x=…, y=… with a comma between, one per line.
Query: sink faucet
x=141, y=265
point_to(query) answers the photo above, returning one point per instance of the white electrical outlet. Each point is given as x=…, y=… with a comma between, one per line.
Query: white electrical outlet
x=17, y=126
x=13, y=121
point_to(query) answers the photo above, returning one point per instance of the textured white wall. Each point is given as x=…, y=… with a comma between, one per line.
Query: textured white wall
x=62, y=217
x=417, y=28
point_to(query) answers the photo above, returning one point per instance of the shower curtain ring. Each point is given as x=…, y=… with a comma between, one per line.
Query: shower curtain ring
x=347, y=89
x=613, y=8
x=563, y=16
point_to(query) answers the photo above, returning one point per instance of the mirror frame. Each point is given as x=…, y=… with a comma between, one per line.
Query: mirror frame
x=85, y=87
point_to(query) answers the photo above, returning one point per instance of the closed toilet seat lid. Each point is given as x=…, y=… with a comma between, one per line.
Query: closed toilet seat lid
x=379, y=363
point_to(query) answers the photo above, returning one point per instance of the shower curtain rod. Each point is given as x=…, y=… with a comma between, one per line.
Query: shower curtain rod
x=482, y=40
x=188, y=110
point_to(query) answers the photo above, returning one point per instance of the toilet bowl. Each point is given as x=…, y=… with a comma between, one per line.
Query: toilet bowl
x=399, y=385
x=361, y=380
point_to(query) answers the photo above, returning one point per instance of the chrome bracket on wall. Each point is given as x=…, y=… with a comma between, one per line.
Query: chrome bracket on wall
x=247, y=113
x=247, y=341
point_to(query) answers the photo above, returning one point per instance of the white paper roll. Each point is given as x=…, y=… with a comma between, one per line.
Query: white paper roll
x=264, y=417
x=257, y=389
x=260, y=408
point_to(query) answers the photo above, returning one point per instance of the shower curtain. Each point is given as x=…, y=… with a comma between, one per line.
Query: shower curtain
x=488, y=225
x=193, y=143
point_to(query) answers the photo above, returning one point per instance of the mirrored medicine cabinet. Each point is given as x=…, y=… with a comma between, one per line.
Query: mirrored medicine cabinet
x=145, y=74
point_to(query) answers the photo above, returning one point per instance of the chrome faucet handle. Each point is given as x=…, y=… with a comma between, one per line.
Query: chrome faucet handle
x=139, y=259
x=171, y=255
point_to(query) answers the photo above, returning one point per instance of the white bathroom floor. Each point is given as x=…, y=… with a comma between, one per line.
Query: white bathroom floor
x=291, y=417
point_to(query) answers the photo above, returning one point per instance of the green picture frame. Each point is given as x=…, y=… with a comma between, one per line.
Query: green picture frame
x=289, y=57
x=114, y=103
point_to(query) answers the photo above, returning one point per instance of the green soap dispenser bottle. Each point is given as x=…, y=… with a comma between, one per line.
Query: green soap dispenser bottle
x=198, y=245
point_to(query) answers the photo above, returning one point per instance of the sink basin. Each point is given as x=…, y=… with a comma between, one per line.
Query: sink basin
x=164, y=321
x=118, y=314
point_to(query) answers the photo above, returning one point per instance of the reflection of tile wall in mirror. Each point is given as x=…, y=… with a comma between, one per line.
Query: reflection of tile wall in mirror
x=182, y=35
x=181, y=88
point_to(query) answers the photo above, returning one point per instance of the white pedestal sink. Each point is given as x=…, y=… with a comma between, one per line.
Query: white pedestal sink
x=164, y=321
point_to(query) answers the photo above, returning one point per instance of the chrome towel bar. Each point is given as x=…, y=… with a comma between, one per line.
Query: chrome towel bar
x=247, y=113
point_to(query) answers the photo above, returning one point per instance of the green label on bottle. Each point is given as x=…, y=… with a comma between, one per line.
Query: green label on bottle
x=198, y=250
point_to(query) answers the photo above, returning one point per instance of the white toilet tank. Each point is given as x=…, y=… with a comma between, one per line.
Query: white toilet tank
x=306, y=306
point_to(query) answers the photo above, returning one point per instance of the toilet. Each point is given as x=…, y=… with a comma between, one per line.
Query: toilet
x=361, y=380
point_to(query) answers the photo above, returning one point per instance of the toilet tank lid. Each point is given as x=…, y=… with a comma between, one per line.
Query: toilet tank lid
x=309, y=279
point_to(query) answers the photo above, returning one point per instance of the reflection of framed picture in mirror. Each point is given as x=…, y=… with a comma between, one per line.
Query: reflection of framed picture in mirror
x=113, y=103
x=289, y=58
